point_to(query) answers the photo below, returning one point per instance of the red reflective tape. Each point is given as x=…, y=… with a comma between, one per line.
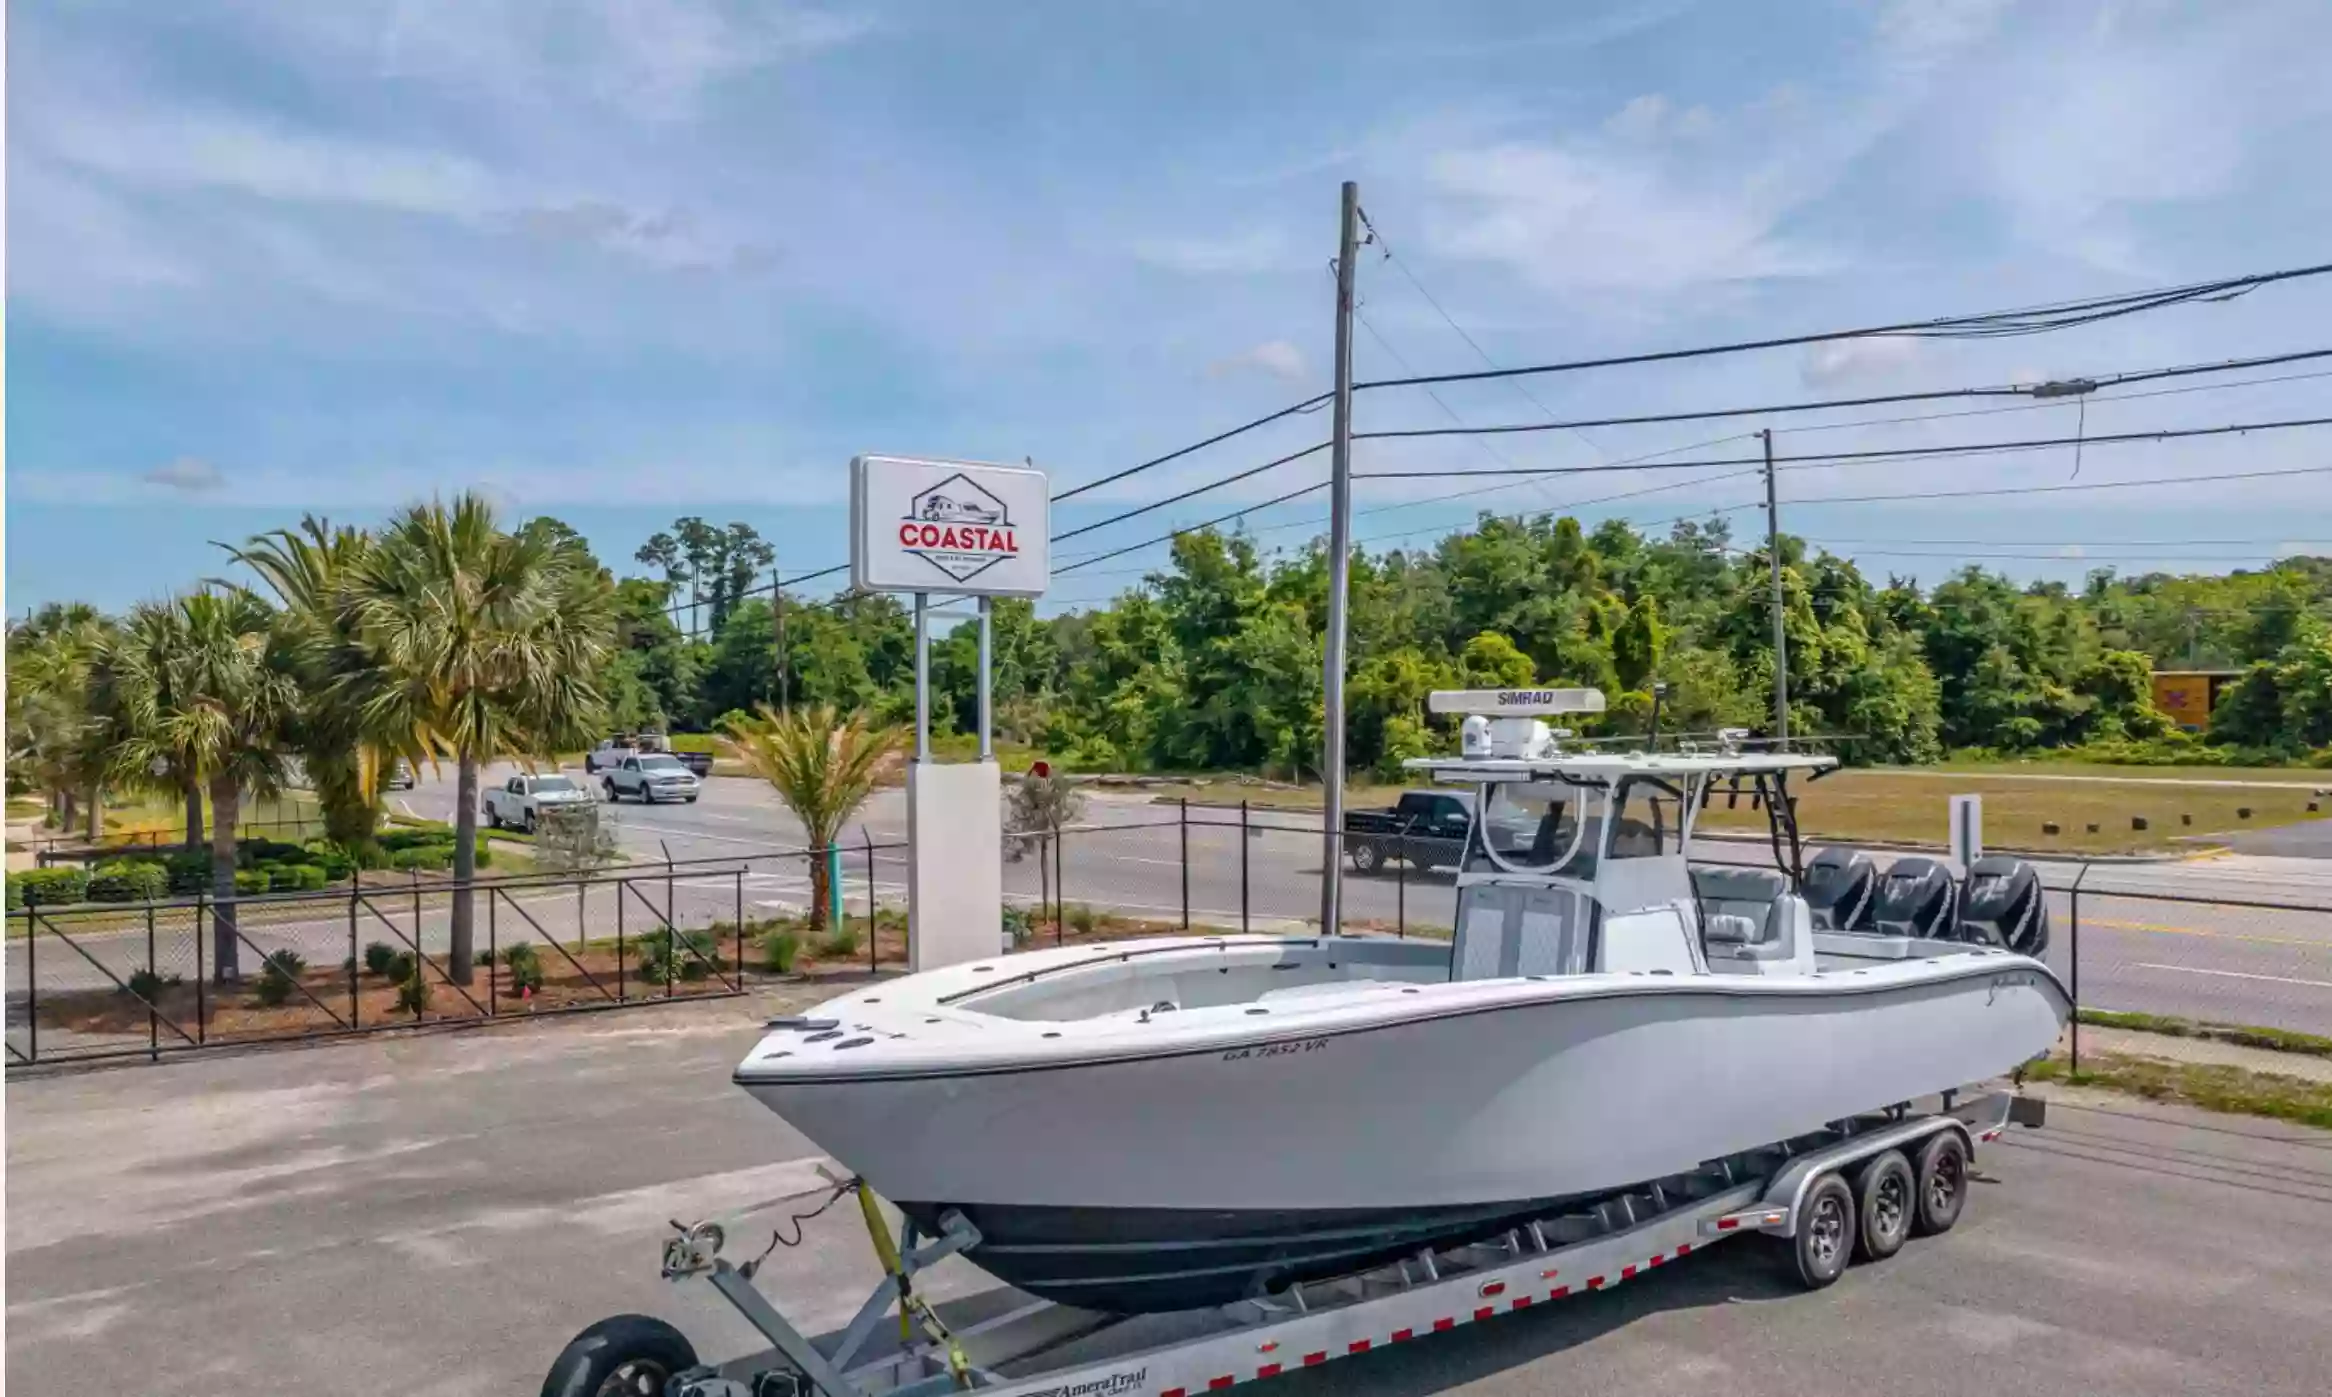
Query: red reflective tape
x=1314, y=1359
x=1627, y=1273
x=1560, y=1292
x=1171, y=1392
x=1485, y=1312
x=1657, y=1257
x=1268, y=1370
x=1440, y=1325
x=1402, y=1334
x=1218, y=1384
x=1357, y=1346
x=1522, y=1302
x=1683, y=1248
x=1595, y=1283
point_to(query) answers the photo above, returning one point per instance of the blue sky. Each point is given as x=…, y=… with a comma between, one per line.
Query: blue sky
x=619, y=262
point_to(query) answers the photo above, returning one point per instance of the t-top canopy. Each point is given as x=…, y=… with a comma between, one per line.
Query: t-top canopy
x=1515, y=703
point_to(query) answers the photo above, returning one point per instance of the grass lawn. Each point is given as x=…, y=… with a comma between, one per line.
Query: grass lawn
x=2212, y=1086
x=1910, y=807
x=2045, y=770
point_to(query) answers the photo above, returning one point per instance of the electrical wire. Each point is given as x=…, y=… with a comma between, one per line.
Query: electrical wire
x=1879, y=400
x=1293, y=409
x=1401, y=265
x=2028, y=320
x=1808, y=461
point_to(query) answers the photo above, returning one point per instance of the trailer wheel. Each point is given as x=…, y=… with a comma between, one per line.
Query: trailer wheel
x=623, y=1356
x=1367, y=858
x=1825, y=1240
x=1885, y=1198
x=1943, y=1184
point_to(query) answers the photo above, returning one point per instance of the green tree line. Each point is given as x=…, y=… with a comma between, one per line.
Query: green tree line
x=1213, y=660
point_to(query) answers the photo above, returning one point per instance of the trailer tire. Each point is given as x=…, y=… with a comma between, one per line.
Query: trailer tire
x=1825, y=1238
x=622, y=1356
x=1943, y=1184
x=1885, y=1200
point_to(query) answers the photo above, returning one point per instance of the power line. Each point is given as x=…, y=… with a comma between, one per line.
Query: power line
x=1985, y=325
x=1192, y=529
x=1401, y=264
x=1267, y=419
x=1889, y=453
x=2071, y=487
x=1191, y=493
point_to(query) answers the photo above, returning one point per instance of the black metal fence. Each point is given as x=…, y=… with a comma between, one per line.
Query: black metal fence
x=2173, y=940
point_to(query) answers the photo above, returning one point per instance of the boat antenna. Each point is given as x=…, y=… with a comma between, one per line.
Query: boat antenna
x=1659, y=692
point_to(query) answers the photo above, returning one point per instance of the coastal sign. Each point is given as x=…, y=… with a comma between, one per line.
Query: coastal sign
x=960, y=527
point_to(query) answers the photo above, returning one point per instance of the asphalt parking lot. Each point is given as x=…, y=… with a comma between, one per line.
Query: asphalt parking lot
x=436, y=1215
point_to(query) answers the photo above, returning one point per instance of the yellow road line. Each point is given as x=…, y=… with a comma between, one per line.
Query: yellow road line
x=2204, y=931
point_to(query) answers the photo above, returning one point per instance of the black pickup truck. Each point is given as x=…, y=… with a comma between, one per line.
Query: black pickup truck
x=1428, y=828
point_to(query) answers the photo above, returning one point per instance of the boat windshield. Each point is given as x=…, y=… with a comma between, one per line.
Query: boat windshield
x=1544, y=827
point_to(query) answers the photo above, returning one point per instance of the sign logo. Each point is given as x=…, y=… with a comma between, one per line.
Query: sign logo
x=958, y=527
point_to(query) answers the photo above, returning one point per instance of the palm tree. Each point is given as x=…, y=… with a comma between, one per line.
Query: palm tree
x=822, y=767
x=482, y=644
x=52, y=732
x=212, y=701
x=137, y=673
x=308, y=570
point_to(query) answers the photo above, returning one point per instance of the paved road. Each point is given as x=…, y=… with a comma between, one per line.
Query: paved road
x=437, y=1216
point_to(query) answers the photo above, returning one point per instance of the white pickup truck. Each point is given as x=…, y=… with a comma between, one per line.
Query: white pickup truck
x=518, y=802
x=649, y=777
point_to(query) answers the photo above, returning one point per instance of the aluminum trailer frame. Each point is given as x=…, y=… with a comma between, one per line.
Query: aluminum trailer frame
x=1618, y=1238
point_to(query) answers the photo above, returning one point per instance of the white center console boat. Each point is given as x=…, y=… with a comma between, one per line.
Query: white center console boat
x=1188, y=1121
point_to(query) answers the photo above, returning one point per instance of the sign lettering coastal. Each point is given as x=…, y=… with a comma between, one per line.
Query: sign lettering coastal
x=948, y=526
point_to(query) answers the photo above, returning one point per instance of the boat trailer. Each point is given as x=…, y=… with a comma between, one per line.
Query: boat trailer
x=1856, y=1190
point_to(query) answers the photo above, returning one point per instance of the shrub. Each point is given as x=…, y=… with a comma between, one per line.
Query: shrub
x=400, y=967
x=129, y=881
x=413, y=992
x=147, y=985
x=335, y=862
x=252, y=880
x=1016, y=925
x=667, y=955
x=840, y=944
x=255, y=851
x=277, y=974
x=306, y=877
x=396, y=840
x=433, y=857
x=524, y=966
x=379, y=956
x=189, y=872
x=779, y=948
x=48, y=887
x=1083, y=919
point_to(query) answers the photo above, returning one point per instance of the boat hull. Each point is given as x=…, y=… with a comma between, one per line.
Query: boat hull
x=1185, y=1178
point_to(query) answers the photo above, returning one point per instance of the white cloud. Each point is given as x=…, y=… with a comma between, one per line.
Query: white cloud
x=1241, y=253
x=1848, y=361
x=1277, y=358
x=187, y=476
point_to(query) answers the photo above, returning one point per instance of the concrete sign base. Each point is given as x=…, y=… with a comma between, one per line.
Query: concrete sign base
x=955, y=876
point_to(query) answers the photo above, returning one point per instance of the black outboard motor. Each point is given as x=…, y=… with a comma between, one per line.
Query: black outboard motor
x=1840, y=887
x=1918, y=897
x=2006, y=906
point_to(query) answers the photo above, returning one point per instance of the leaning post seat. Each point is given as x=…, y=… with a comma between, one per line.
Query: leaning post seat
x=1917, y=898
x=1840, y=886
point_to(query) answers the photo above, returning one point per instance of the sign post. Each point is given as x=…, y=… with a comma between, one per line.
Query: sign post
x=950, y=529
x=1967, y=830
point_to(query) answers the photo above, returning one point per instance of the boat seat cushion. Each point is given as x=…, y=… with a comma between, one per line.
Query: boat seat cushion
x=1729, y=895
